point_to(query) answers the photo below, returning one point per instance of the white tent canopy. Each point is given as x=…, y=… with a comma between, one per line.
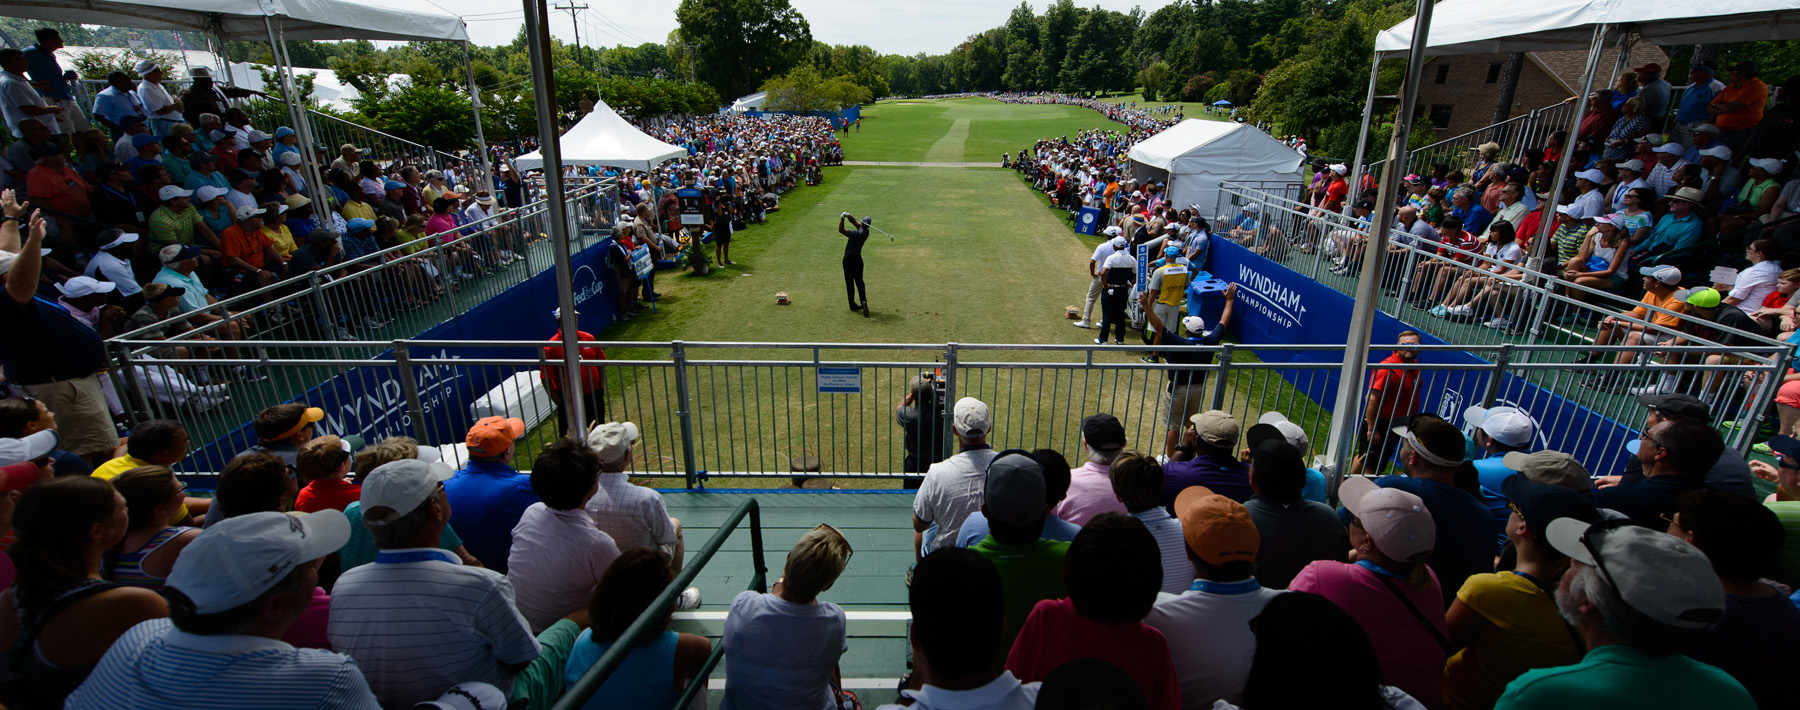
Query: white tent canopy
x=1195, y=155
x=243, y=19
x=1475, y=27
x=604, y=138
x=752, y=102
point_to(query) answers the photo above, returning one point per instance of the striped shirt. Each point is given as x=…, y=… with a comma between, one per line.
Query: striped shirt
x=1178, y=572
x=633, y=515
x=155, y=665
x=128, y=567
x=418, y=622
x=556, y=560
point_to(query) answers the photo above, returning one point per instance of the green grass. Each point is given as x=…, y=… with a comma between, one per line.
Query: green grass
x=961, y=130
x=1190, y=109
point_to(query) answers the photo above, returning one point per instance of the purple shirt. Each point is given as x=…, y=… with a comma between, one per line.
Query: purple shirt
x=1226, y=476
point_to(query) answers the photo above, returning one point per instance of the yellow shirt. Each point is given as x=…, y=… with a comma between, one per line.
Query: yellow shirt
x=283, y=239
x=1524, y=631
x=1170, y=282
x=113, y=468
x=1669, y=303
x=357, y=208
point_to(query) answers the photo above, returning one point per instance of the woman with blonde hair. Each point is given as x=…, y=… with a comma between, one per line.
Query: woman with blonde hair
x=151, y=544
x=784, y=646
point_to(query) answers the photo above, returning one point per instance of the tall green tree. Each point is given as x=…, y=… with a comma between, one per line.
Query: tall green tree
x=740, y=43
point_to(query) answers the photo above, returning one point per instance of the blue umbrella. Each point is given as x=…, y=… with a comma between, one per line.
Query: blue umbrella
x=1221, y=102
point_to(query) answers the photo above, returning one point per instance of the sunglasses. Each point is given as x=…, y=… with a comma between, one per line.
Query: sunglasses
x=851, y=552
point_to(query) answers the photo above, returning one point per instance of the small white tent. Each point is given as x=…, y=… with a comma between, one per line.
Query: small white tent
x=604, y=138
x=1194, y=156
x=751, y=102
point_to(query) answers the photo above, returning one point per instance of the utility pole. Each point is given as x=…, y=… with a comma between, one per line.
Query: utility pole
x=576, y=22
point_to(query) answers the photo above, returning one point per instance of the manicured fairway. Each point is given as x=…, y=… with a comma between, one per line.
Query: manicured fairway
x=957, y=130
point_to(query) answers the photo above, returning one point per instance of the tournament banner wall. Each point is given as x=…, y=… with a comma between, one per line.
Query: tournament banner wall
x=370, y=401
x=853, y=113
x=1277, y=305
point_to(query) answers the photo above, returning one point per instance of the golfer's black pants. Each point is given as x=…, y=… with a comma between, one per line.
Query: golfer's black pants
x=853, y=282
x=1112, y=313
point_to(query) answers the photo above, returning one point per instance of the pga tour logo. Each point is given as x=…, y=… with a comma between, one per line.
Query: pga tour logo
x=1276, y=302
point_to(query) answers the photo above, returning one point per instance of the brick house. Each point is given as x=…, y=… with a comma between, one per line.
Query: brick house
x=1458, y=92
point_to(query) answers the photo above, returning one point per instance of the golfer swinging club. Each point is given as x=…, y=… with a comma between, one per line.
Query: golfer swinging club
x=853, y=263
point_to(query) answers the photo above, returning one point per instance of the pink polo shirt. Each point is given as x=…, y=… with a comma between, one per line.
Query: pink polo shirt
x=1090, y=494
x=1411, y=658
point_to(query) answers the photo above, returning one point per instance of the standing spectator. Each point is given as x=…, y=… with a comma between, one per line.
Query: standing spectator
x=1112, y=574
x=1138, y=482
x=161, y=108
x=117, y=102
x=921, y=416
x=18, y=100
x=1654, y=91
x=952, y=487
x=45, y=71
x=1183, y=391
x=1390, y=591
x=1207, y=626
x=48, y=352
x=557, y=554
x=1504, y=624
x=1293, y=531
x=593, y=379
x=1640, y=599
x=1309, y=631
x=635, y=516
x=1090, y=485
x=1739, y=106
x=661, y=664
x=412, y=646
x=1753, y=641
x=1676, y=455
x=1393, y=396
x=1208, y=457
x=959, y=615
x=1696, y=102
x=784, y=645
x=489, y=495
x=1118, y=276
x=1030, y=566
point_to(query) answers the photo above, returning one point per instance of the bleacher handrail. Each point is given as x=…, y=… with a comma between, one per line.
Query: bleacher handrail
x=576, y=696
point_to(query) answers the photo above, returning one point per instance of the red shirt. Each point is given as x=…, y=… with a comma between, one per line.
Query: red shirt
x=1399, y=390
x=593, y=379
x=1776, y=299
x=63, y=191
x=1054, y=634
x=1461, y=240
x=327, y=494
x=1335, y=194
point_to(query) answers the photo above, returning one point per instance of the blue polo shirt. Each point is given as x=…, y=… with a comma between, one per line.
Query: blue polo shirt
x=44, y=343
x=1492, y=473
x=1672, y=233
x=42, y=66
x=486, y=500
x=1694, y=102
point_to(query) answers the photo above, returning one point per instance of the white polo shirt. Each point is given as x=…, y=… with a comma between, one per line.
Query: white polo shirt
x=633, y=515
x=952, y=489
x=115, y=270
x=1208, y=629
x=1002, y=693
x=1753, y=285
x=557, y=557
x=417, y=621
x=155, y=665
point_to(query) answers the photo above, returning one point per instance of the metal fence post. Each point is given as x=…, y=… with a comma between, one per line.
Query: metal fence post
x=129, y=374
x=1764, y=393
x=678, y=353
x=1218, y=386
x=949, y=402
x=415, y=409
x=1501, y=360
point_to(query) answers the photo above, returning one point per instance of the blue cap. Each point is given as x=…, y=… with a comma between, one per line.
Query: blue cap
x=283, y=132
x=359, y=224
x=143, y=139
x=183, y=253
x=1171, y=251
x=392, y=185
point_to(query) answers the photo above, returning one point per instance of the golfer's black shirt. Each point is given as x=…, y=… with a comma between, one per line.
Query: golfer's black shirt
x=853, y=248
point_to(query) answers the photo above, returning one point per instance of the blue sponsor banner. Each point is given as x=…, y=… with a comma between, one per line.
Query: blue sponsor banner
x=1277, y=305
x=840, y=380
x=370, y=401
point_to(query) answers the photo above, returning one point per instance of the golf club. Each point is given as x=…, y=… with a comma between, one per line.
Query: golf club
x=866, y=223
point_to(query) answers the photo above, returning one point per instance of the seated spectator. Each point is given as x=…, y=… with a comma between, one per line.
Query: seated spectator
x=1090, y=486
x=1056, y=488
x=635, y=516
x=361, y=550
x=113, y=265
x=218, y=214
x=1274, y=425
x=177, y=222
x=1138, y=482
x=1390, y=591
x=1207, y=626
x=151, y=545
x=1207, y=457
x=1030, y=566
x=951, y=489
x=1640, y=600
x=251, y=261
x=24, y=417
x=1675, y=455
x=255, y=484
x=1496, y=433
x=1504, y=624
x=489, y=496
x=226, y=624
x=1112, y=575
x=116, y=204
x=784, y=646
x=1730, y=473
x=1293, y=532
x=411, y=647
x=204, y=172
x=1298, y=630
x=157, y=442
x=959, y=616
x=1601, y=261
x=61, y=615
x=1753, y=641
x=1660, y=287
x=661, y=664
x=52, y=184
x=321, y=467
x=1430, y=460
x=282, y=429
x=557, y=554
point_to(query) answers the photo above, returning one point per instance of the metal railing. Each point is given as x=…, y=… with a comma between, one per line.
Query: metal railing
x=399, y=291
x=800, y=410
x=577, y=695
x=1515, y=135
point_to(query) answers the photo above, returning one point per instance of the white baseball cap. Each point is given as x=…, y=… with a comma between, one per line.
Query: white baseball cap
x=1634, y=165
x=1707, y=128
x=1720, y=151
x=257, y=136
x=1339, y=168
x=290, y=158
x=1591, y=175
x=85, y=286
x=208, y=193
x=467, y=696
x=1670, y=148
x=400, y=486
x=1666, y=274
x=971, y=417
x=170, y=192
x=29, y=447
x=1771, y=165
x=233, y=562
x=1119, y=242
x=1289, y=430
x=1657, y=574
x=247, y=211
x=1396, y=520
x=612, y=439
x=1114, y=231
x=1194, y=324
x=1253, y=208
x=1508, y=425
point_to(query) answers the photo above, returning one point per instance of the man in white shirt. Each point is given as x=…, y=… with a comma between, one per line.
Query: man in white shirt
x=18, y=100
x=557, y=554
x=1631, y=177
x=164, y=111
x=113, y=261
x=1591, y=202
x=1668, y=165
x=416, y=620
x=1208, y=626
x=957, y=619
x=1757, y=282
x=233, y=593
x=952, y=487
x=1115, y=241
x=634, y=516
x=242, y=182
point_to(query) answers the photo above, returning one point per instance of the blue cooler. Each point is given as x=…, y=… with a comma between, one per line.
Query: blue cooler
x=1087, y=221
x=1206, y=298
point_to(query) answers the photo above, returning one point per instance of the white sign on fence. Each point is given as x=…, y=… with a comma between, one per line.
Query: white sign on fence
x=840, y=380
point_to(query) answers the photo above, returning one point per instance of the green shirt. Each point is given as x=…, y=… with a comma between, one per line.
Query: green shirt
x=1786, y=567
x=1028, y=574
x=541, y=683
x=178, y=168
x=360, y=549
x=170, y=227
x=1621, y=677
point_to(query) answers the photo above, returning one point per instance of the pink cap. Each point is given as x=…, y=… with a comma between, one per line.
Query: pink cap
x=1397, y=521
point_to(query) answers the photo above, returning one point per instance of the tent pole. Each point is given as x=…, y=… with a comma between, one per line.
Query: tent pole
x=1540, y=244
x=549, y=145
x=487, y=171
x=1362, y=136
x=309, y=163
x=1346, y=414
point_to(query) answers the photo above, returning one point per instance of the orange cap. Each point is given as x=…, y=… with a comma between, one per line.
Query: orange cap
x=1218, y=529
x=491, y=436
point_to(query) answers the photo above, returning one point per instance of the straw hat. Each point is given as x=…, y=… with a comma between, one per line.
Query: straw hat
x=1689, y=194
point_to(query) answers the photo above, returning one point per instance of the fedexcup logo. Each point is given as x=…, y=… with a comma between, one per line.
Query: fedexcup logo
x=593, y=287
x=1276, y=302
